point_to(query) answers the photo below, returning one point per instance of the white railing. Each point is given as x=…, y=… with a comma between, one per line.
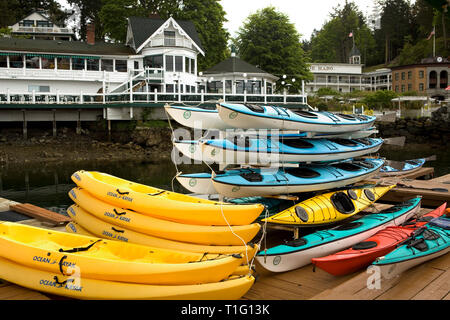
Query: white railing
x=41, y=29
x=14, y=97
x=171, y=42
x=53, y=74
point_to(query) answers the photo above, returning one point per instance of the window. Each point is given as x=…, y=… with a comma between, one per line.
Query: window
x=396, y=88
x=396, y=76
x=155, y=61
x=77, y=64
x=63, y=63
x=42, y=23
x=421, y=86
x=433, y=80
x=409, y=87
x=92, y=64
x=186, y=64
x=443, y=76
x=409, y=75
x=32, y=62
x=421, y=74
x=169, y=38
x=179, y=64
x=403, y=88
x=48, y=63
x=37, y=88
x=107, y=65
x=26, y=23
x=136, y=65
x=121, y=66
x=3, y=61
x=16, y=61
x=169, y=63
x=403, y=76
x=169, y=88
x=193, y=66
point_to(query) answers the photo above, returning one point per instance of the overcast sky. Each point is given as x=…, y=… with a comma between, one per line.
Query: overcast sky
x=307, y=15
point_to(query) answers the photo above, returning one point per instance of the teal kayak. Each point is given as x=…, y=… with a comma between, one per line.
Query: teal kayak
x=298, y=253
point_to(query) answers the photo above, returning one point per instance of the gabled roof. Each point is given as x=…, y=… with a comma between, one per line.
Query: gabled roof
x=143, y=28
x=69, y=47
x=234, y=65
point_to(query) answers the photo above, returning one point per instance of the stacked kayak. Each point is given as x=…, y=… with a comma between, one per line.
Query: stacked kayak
x=164, y=204
x=427, y=243
x=364, y=253
x=304, y=178
x=197, y=118
x=279, y=149
x=329, y=208
x=114, y=208
x=248, y=116
x=298, y=253
x=84, y=267
x=395, y=168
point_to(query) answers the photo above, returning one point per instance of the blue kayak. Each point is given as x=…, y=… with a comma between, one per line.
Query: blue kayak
x=304, y=178
x=247, y=150
x=298, y=253
x=427, y=243
x=249, y=116
x=394, y=168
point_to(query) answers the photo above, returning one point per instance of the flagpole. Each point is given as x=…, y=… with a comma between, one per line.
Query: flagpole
x=434, y=41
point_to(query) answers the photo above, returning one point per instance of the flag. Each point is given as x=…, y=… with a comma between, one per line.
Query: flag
x=350, y=35
x=448, y=88
x=431, y=34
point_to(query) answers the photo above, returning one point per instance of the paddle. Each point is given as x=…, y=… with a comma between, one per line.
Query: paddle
x=401, y=185
x=397, y=141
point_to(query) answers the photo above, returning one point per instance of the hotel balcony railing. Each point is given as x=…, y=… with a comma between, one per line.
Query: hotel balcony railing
x=41, y=29
x=145, y=97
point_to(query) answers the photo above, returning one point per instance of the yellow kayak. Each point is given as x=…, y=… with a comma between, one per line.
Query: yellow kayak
x=329, y=207
x=64, y=253
x=74, y=227
x=209, y=235
x=165, y=204
x=106, y=230
x=86, y=288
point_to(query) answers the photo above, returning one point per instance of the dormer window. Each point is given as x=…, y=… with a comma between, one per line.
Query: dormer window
x=26, y=23
x=169, y=38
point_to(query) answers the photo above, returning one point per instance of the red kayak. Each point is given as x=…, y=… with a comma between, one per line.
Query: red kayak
x=364, y=253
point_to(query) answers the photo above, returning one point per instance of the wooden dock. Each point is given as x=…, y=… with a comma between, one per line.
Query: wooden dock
x=430, y=280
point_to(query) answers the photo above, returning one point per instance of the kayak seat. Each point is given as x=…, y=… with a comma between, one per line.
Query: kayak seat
x=306, y=114
x=303, y=173
x=346, y=116
x=348, y=226
x=347, y=166
x=412, y=162
x=430, y=235
x=297, y=242
x=242, y=142
x=252, y=176
x=344, y=142
x=342, y=202
x=255, y=108
x=365, y=245
x=297, y=143
x=301, y=213
x=418, y=244
x=364, y=141
x=352, y=194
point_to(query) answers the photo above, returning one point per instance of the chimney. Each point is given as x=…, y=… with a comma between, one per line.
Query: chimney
x=154, y=16
x=90, y=33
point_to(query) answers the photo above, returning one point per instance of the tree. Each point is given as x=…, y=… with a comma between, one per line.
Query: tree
x=333, y=44
x=88, y=11
x=208, y=17
x=270, y=41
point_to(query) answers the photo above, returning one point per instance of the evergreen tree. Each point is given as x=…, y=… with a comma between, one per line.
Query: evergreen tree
x=270, y=41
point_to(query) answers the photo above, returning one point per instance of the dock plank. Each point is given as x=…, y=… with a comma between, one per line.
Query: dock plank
x=436, y=290
x=40, y=213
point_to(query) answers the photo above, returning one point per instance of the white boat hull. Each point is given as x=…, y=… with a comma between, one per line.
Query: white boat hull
x=295, y=260
x=389, y=271
x=197, y=185
x=245, y=121
x=197, y=119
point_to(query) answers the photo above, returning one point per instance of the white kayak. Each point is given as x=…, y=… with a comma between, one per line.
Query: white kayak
x=196, y=118
x=248, y=116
